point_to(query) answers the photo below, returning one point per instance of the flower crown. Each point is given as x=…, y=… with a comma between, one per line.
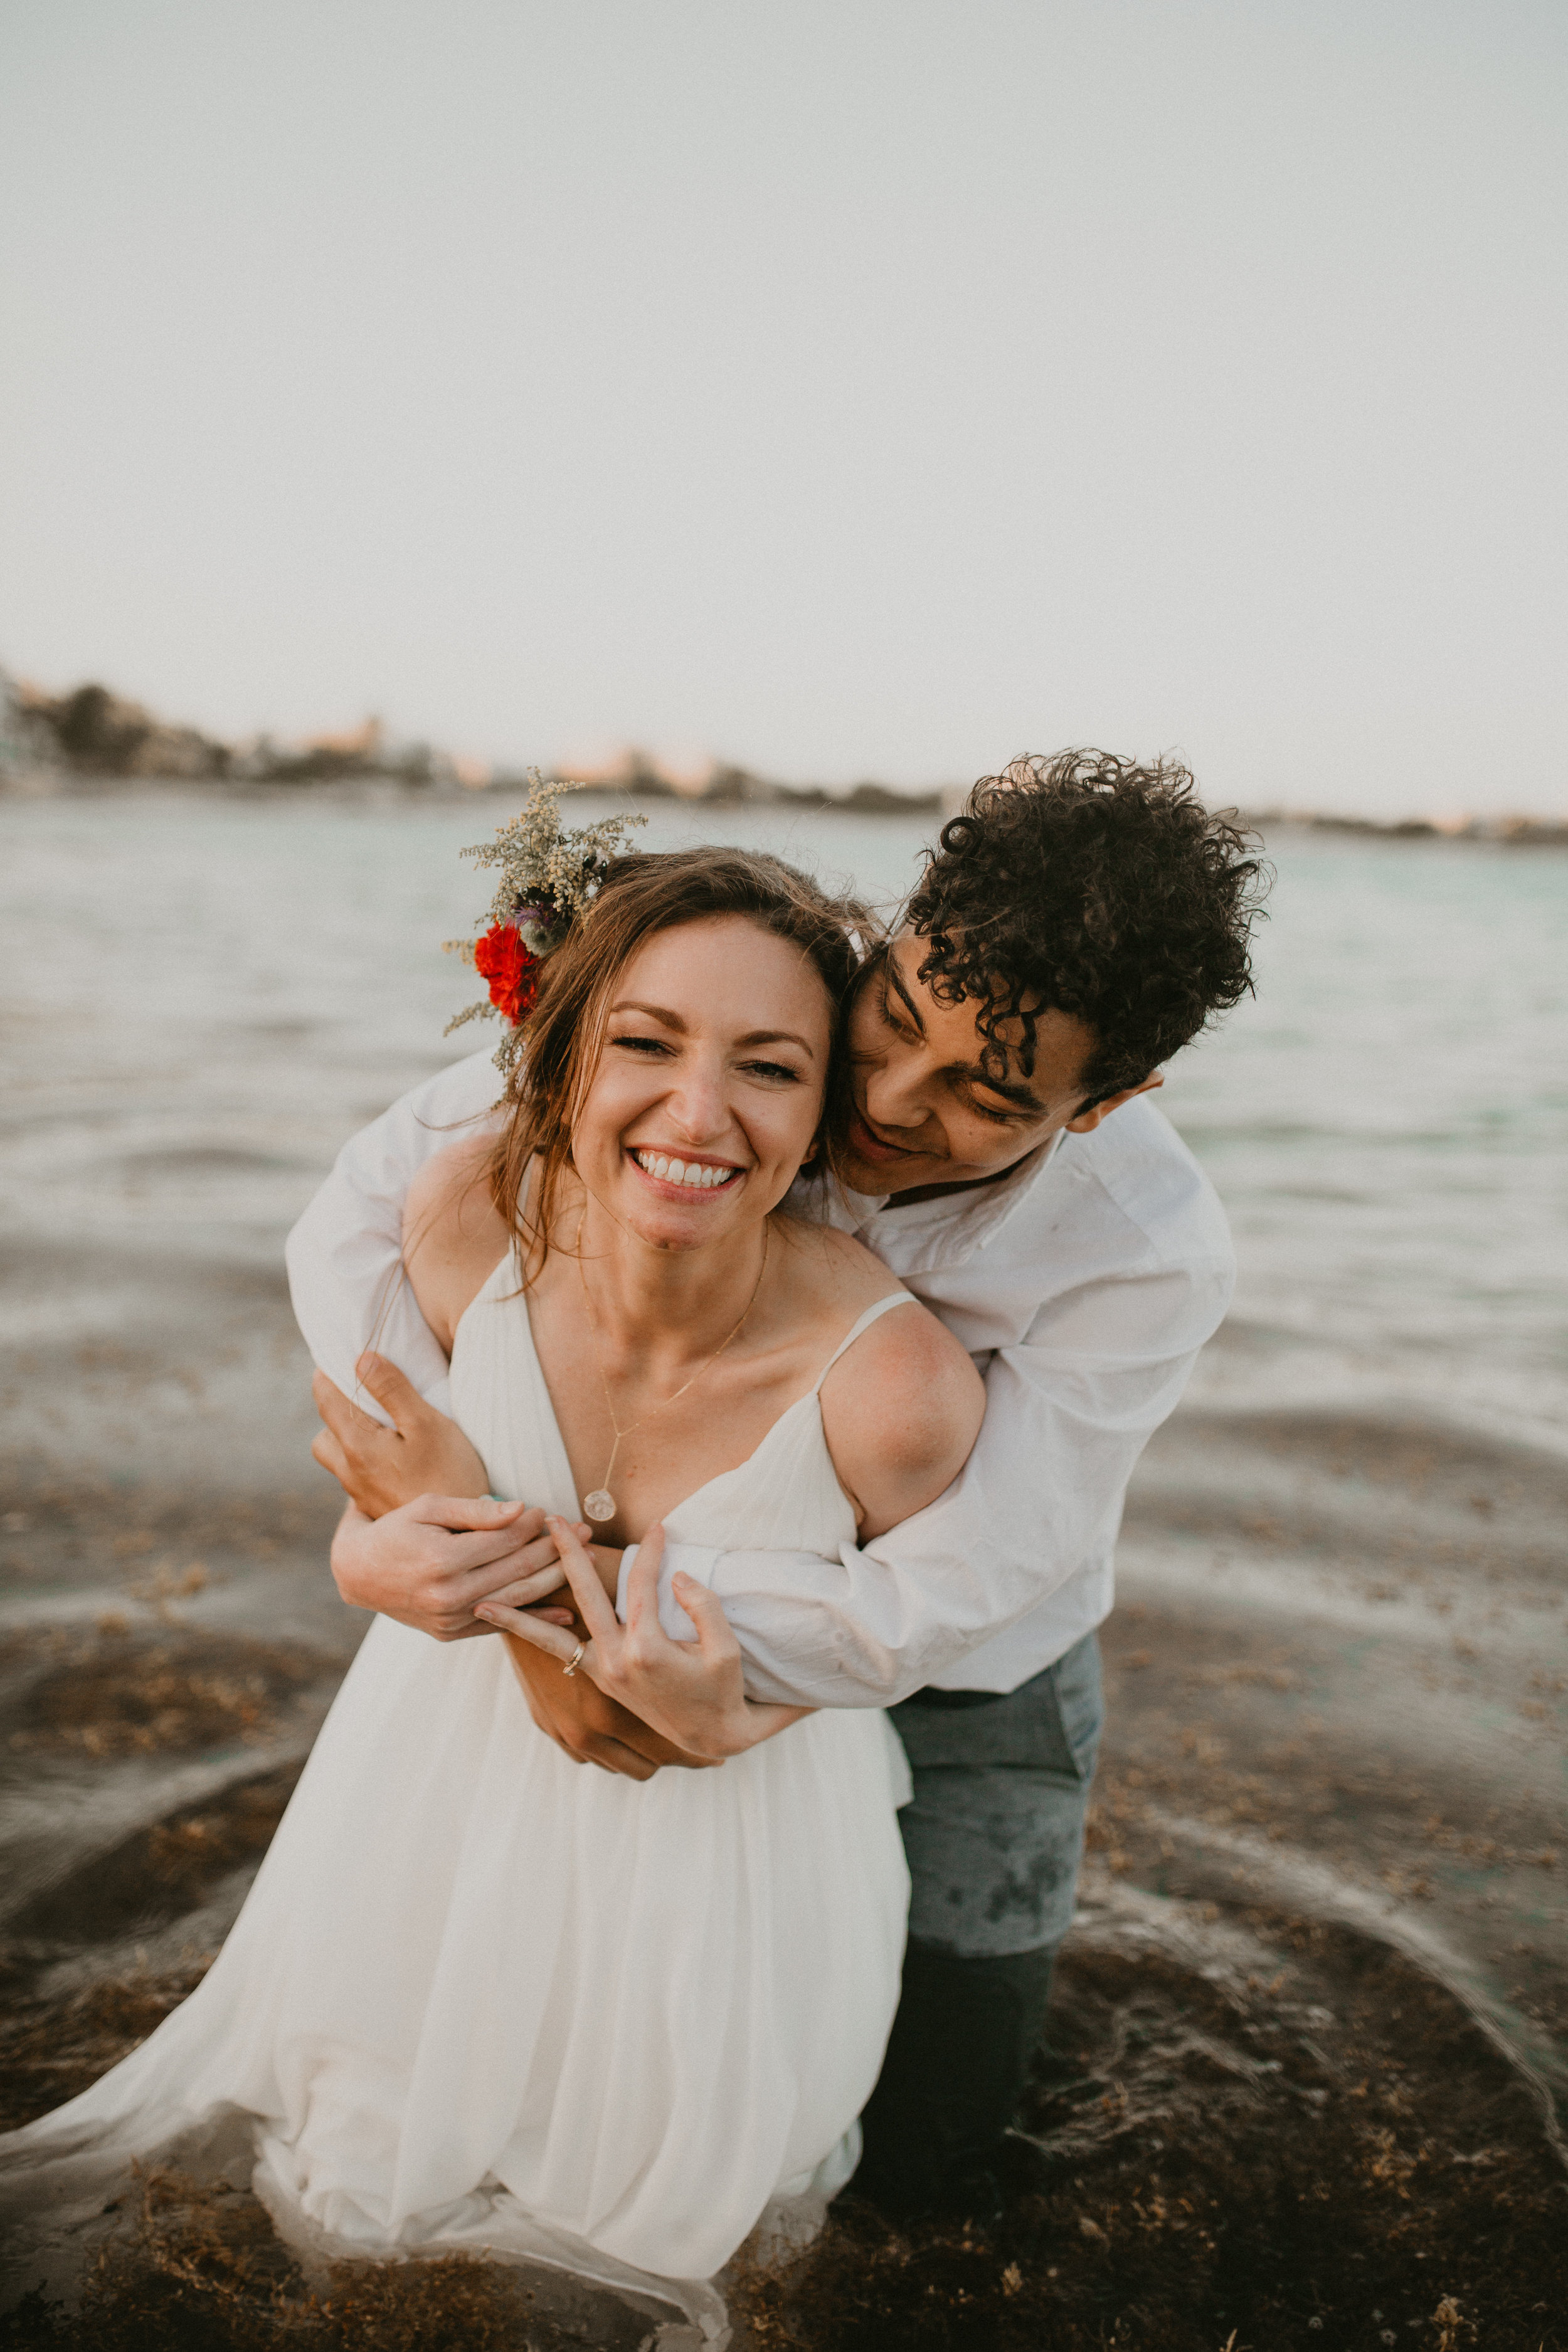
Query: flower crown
x=549, y=879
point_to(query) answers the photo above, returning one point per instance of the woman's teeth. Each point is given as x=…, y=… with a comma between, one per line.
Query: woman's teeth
x=677, y=1171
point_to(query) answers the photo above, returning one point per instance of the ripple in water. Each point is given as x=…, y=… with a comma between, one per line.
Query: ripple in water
x=1310, y=2036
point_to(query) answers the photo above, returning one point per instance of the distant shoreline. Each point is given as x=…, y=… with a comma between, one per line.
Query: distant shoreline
x=91, y=743
x=1511, y=832
x=383, y=785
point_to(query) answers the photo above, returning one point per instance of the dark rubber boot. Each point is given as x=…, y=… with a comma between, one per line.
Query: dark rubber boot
x=957, y=2061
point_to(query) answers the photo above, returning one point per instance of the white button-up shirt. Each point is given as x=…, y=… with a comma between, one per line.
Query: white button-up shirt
x=1083, y=1285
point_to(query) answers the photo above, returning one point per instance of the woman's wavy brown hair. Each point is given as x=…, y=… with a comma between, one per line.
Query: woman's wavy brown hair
x=643, y=894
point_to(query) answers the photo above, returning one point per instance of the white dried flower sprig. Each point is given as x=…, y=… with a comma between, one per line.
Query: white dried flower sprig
x=548, y=880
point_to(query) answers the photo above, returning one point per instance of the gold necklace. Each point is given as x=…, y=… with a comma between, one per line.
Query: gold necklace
x=600, y=1505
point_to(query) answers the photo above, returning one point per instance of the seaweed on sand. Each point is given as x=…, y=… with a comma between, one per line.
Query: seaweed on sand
x=199, y=2270
x=1285, y=2139
x=1328, y=2156
x=115, y=1691
x=53, y=2047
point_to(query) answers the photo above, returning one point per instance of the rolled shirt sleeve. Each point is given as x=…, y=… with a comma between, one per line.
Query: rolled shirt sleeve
x=1084, y=1302
x=969, y=1582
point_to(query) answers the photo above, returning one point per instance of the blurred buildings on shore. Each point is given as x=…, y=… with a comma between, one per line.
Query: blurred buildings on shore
x=91, y=738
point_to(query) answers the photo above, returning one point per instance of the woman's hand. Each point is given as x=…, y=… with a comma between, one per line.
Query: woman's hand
x=692, y=1692
x=379, y=1469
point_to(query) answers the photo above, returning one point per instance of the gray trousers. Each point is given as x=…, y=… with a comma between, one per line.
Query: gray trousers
x=994, y=1837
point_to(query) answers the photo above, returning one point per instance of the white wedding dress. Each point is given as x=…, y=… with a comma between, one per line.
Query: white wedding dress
x=482, y=1997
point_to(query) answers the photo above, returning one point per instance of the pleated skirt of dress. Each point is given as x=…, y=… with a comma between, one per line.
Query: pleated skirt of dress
x=483, y=1997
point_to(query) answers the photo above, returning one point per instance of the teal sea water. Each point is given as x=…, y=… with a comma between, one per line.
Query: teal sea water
x=200, y=1001
x=1337, y=1675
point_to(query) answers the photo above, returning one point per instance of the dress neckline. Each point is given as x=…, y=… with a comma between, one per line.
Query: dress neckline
x=512, y=1265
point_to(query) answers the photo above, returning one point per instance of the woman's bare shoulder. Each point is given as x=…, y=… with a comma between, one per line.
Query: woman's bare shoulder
x=453, y=1234
x=445, y=1185
x=903, y=1407
x=908, y=1357
x=847, y=1277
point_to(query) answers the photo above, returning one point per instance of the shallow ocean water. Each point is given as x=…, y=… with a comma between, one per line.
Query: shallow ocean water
x=1337, y=1761
x=199, y=1000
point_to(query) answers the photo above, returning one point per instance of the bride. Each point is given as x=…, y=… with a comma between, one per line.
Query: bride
x=479, y=1997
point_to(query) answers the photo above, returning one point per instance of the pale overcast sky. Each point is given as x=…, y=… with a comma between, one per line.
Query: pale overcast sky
x=847, y=387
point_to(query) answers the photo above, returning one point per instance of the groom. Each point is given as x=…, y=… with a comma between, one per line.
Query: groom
x=1079, y=925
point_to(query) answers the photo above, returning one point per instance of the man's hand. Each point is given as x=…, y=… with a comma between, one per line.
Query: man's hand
x=693, y=1691
x=427, y=1563
x=430, y=1561
x=424, y=1453
x=590, y=1727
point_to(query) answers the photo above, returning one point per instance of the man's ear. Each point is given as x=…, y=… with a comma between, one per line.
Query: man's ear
x=1087, y=1120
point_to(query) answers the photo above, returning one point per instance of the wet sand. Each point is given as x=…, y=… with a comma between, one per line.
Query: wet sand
x=1307, y=2059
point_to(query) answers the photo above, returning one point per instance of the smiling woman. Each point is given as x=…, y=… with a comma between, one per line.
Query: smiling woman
x=587, y=999
x=479, y=1997
x=683, y=1058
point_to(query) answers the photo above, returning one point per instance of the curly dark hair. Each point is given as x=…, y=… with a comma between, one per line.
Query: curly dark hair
x=1103, y=889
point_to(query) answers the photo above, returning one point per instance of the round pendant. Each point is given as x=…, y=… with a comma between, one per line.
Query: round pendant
x=599, y=1505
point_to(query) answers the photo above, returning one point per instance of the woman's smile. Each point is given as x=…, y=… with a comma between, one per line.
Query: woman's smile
x=672, y=1173
x=708, y=1086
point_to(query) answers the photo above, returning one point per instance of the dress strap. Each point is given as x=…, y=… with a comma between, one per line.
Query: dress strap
x=864, y=1323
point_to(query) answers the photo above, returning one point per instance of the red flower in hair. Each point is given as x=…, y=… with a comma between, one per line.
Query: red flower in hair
x=513, y=972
